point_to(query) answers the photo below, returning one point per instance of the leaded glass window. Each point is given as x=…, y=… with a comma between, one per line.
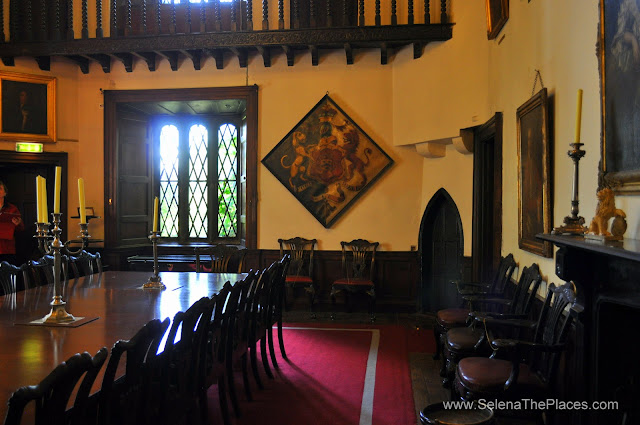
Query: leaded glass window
x=169, y=137
x=198, y=179
x=227, y=179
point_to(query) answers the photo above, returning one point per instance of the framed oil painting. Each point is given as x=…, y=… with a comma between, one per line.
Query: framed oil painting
x=327, y=161
x=497, y=16
x=620, y=88
x=534, y=175
x=27, y=107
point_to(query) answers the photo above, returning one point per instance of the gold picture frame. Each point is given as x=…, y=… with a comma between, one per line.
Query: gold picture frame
x=534, y=175
x=27, y=107
x=497, y=16
x=619, y=87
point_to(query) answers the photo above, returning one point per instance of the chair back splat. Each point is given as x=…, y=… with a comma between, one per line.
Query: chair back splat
x=51, y=396
x=223, y=259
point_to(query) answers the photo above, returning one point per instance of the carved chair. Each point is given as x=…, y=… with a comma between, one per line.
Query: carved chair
x=458, y=317
x=215, y=373
x=222, y=259
x=470, y=341
x=51, y=396
x=522, y=368
x=40, y=272
x=9, y=276
x=85, y=264
x=122, y=399
x=301, y=267
x=358, y=273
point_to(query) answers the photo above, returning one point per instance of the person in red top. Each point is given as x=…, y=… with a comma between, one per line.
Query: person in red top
x=10, y=222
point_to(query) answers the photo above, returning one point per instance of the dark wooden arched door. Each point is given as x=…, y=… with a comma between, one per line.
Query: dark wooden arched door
x=441, y=249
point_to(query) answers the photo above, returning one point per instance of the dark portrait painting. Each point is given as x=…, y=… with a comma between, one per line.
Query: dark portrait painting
x=620, y=77
x=327, y=161
x=534, y=164
x=27, y=104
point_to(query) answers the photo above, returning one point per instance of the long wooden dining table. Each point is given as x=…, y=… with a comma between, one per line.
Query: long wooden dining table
x=114, y=306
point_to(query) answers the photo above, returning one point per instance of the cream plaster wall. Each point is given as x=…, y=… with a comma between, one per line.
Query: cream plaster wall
x=559, y=39
x=388, y=212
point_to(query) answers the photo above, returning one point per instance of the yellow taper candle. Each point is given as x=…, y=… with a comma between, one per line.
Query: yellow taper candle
x=56, y=191
x=578, y=115
x=155, y=214
x=38, y=200
x=43, y=195
x=83, y=211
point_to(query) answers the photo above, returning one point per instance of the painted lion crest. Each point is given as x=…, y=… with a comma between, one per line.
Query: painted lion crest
x=605, y=209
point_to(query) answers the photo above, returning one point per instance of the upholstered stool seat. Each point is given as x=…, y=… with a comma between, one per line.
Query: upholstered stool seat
x=486, y=375
x=464, y=339
x=452, y=317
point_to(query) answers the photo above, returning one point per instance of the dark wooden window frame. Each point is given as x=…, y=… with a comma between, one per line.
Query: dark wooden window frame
x=111, y=98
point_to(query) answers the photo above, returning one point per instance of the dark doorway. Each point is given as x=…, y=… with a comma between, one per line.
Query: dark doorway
x=18, y=171
x=441, y=246
x=487, y=198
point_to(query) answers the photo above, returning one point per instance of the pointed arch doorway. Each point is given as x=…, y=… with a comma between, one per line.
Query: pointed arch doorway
x=441, y=245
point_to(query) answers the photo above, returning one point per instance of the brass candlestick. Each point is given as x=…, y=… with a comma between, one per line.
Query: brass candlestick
x=574, y=224
x=155, y=281
x=50, y=244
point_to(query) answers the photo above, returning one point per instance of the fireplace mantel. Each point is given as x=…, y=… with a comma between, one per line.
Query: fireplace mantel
x=604, y=354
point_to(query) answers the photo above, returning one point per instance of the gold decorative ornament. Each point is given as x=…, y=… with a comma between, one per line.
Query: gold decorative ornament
x=605, y=210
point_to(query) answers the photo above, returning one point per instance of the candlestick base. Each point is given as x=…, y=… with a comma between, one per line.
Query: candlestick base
x=572, y=226
x=154, y=282
x=58, y=315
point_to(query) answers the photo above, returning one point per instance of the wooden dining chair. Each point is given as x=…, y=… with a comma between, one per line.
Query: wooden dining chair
x=51, y=396
x=85, y=264
x=456, y=317
x=40, y=272
x=9, y=277
x=122, y=398
x=300, y=273
x=522, y=368
x=470, y=340
x=358, y=273
x=215, y=373
x=220, y=258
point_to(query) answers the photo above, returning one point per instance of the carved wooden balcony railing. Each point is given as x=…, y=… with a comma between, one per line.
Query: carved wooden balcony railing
x=150, y=30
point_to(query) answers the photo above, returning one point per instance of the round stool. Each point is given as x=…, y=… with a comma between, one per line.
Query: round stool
x=436, y=414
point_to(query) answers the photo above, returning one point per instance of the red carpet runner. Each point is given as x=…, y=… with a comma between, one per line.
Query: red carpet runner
x=344, y=375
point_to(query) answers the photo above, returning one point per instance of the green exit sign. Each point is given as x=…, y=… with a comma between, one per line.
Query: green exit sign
x=29, y=147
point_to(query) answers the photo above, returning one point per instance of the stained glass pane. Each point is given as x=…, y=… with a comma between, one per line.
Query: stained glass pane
x=227, y=181
x=169, y=137
x=198, y=166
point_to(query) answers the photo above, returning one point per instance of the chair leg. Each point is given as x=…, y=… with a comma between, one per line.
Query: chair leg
x=224, y=407
x=281, y=339
x=254, y=365
x=245, y=377
x=232, y=388
x=272, y=350
x=312, y=296
x=373, y=308
x=265, y=359
x=333, y=305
